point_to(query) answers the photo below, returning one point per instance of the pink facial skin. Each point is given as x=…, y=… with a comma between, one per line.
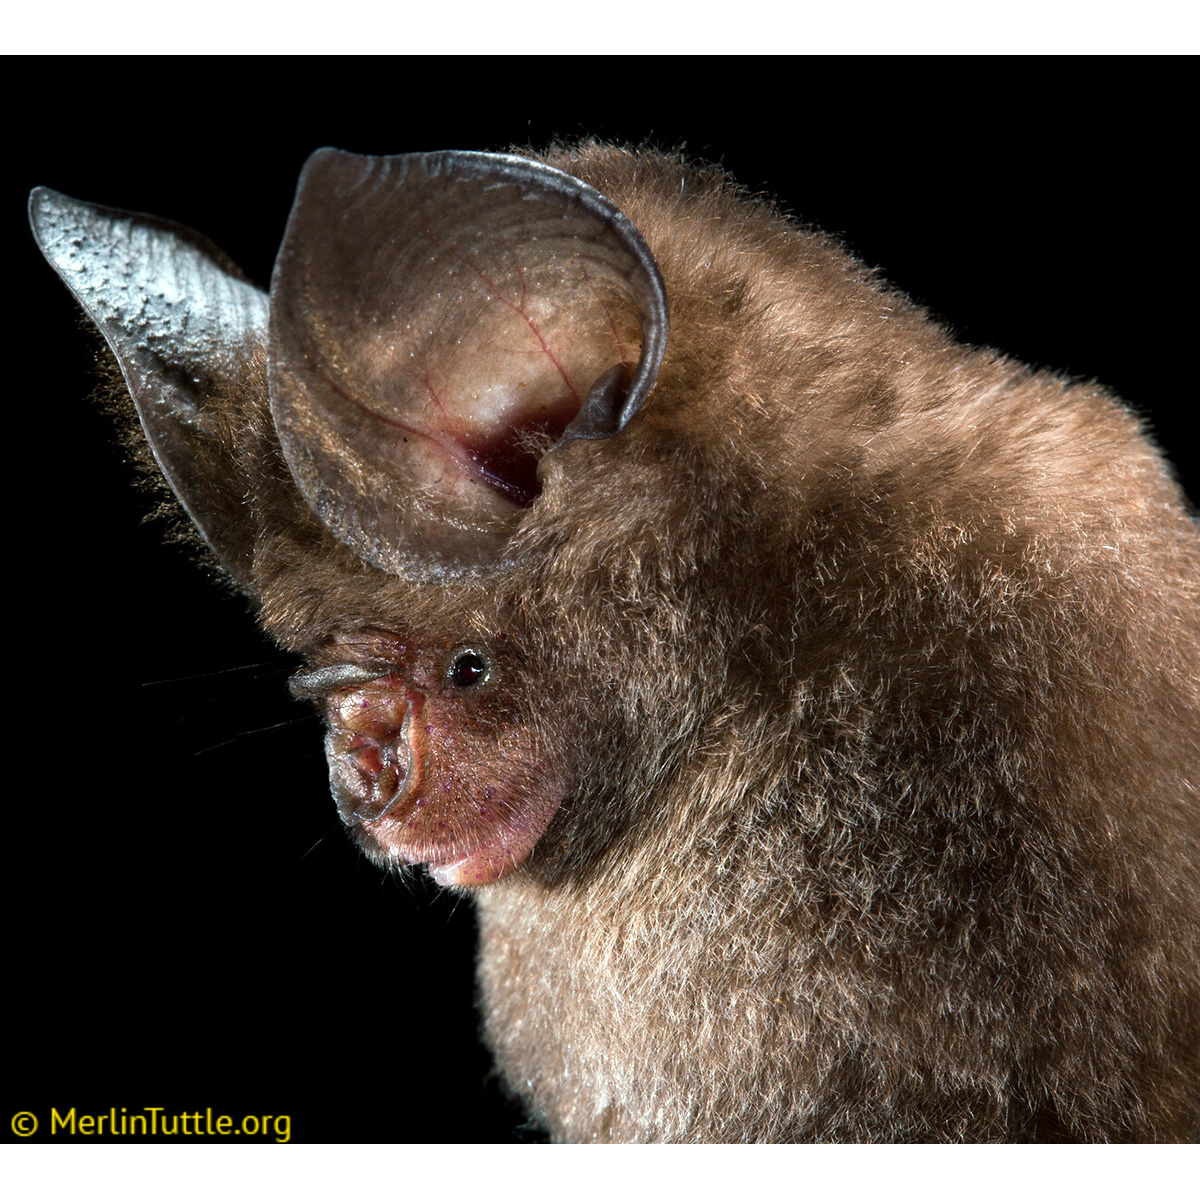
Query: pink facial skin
x=430, y=761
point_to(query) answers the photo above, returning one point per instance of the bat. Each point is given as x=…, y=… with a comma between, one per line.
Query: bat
x=807, y=701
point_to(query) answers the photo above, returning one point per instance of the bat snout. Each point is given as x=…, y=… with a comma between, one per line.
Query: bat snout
x=429, y=762
x=372, y=746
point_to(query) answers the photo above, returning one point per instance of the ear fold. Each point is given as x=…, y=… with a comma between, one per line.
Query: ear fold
x=183, y=324
x=439, y=322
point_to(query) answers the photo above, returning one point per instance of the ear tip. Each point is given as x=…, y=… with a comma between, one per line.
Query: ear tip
x=54, y=220
x=324, y=158
x=43, y=195
x=44, y=204
x=53, y=215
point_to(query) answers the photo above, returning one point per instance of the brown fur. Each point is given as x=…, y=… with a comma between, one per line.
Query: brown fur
x=878, y=658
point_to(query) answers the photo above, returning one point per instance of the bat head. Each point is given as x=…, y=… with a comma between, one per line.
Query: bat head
x=366, y=450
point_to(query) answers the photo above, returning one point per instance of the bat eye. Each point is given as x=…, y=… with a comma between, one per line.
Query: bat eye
x=468, y=668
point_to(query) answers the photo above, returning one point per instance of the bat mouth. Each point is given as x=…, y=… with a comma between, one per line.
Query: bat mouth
x=480, y=852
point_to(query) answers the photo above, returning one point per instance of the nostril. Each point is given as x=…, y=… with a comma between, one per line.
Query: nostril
x=368, y=758
x=382, y=769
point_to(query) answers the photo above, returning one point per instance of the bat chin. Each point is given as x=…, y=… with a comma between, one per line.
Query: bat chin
x=457, y=851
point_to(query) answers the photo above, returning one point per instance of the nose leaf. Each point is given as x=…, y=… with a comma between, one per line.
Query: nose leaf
x=374, y=755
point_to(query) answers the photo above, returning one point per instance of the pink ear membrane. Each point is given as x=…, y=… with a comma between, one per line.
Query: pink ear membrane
x=438, y=323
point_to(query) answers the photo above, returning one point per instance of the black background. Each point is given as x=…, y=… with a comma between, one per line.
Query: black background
x=187, y=926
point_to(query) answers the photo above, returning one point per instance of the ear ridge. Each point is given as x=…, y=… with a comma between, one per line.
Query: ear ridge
x=606, y=410
x=439, y=323
x=187, y=331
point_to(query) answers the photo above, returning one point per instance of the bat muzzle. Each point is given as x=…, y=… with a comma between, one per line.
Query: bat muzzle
x=374, y=752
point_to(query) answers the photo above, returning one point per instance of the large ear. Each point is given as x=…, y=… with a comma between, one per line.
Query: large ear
x=440, y=322
x=183, y=324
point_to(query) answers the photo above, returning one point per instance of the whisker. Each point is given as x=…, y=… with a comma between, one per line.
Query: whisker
x=320, y=841
x=237, y=737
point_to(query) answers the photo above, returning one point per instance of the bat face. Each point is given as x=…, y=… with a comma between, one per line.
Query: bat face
x=432, y=755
